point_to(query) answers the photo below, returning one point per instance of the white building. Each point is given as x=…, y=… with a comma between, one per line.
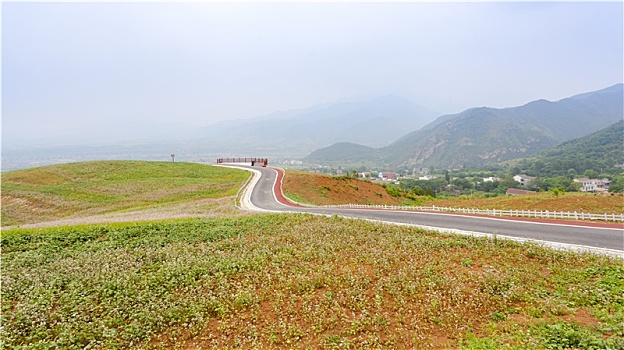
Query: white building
x=593, y=185
x=523, y=179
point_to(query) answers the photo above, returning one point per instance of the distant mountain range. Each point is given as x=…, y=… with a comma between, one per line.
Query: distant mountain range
x=481, y=136
x=390, y=131
x=375, y=122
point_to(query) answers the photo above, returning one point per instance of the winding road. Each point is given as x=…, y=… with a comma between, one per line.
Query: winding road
x=263, y=193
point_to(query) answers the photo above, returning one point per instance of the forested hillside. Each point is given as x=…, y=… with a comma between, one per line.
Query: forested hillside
x=602, y=151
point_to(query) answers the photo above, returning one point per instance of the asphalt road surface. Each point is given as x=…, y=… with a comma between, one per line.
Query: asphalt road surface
x=264, y=194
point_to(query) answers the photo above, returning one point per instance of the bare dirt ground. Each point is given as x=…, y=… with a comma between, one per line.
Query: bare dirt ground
x=579, y=202
x=326, y=190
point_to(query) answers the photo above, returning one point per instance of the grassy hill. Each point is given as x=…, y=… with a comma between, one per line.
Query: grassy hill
x=80, y=190
x=276, y=280
x=300, y=281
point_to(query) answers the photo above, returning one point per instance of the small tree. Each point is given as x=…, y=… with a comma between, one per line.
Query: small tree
x=591, y=174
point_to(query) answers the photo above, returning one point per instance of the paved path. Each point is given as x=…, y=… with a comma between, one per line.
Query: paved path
x=264, y=194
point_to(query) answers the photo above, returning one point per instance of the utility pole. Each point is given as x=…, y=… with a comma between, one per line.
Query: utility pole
x=173, y=157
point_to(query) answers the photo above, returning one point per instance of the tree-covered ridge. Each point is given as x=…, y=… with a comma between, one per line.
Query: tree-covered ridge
x=601, y=152
x=484, y=136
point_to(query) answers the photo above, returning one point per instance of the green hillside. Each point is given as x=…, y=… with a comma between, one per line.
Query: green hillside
x=600, y=151
x=475, y=138
x=482, y=136
x=94, y=188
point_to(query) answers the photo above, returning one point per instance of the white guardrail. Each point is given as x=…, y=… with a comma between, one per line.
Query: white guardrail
x=543, y=214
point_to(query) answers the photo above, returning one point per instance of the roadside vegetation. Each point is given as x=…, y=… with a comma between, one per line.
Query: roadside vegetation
x=300, y=281
x=323, y=189
x=319, y=189
x=574, y=201
x=79, y=190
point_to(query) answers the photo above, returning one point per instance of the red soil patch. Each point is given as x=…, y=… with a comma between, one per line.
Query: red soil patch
x=579, y=202
x=331, y=190
x=582, y=317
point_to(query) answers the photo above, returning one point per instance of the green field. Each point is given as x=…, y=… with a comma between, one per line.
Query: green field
x=300, y=281
x=78, y=190
x=231, y=280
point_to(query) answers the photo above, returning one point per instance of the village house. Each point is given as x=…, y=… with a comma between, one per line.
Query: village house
x=593, y=185
x=490, y=179
x=524, y=180
x=391, y=176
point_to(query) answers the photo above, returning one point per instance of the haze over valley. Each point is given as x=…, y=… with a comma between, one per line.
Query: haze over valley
x=394, y=84
x=387, y=131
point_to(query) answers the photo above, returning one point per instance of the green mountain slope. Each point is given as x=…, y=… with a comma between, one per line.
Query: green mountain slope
x=602, y=150
x=481, y=136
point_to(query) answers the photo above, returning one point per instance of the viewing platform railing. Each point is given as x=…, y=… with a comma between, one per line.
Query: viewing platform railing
x=253, y=160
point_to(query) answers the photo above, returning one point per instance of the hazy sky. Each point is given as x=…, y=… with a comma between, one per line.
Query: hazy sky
x=77, y=63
